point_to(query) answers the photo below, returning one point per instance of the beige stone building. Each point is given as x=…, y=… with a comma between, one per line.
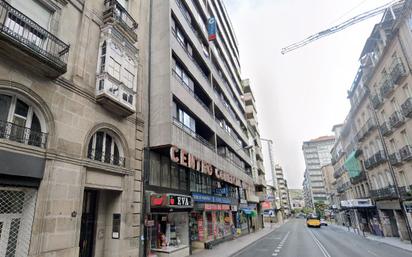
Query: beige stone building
x=71, y=126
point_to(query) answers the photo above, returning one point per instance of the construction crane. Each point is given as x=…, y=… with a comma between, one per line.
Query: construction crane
x=341, y=26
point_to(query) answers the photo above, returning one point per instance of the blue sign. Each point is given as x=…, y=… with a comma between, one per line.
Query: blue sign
x=221, y=191
x=211, y=28
x=204, y=198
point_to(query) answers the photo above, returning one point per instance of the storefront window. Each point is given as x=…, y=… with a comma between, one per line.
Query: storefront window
x=170, y=231
x=200, y=183
x=165, y=174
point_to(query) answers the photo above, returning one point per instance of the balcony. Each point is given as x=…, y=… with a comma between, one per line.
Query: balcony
x=27, y=43
x=13, y=132
x=260, y=166
x=388, y=192
x=395, y=159
x=406, y=153
x=386, y=129
x=115, y=96
x=405, y=192
x=380, y=157
x=192, y=133
x=370, y=125
x=115, y=14
x=360, y=135
x=358, y=179
x=396, y=119
x=387, y=86
x=368, y=164
x=398, y=71
x=377, y=101
x=407, y=107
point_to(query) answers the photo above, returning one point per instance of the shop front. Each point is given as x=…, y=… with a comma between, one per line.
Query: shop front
x=168, y=225
x=212, y=220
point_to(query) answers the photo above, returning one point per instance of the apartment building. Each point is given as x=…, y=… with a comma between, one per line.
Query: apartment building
x=296, y=199
x=329, y=181
x=377, y=159
x=71, y=127
x=258, y=170
x=198, y=163
x=317, y=154
x=283, y=193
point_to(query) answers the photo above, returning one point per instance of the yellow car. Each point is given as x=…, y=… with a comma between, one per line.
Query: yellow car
x=313, y=221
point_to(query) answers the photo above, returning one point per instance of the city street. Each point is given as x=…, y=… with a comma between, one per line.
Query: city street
x=294, y=239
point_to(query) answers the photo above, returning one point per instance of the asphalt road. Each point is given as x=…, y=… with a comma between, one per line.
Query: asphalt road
x=294, y=239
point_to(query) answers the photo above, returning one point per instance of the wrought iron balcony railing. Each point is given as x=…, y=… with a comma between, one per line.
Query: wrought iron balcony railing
x=386, y=128
x=395, y=159
x=396, y=119
x=25, y=34
x=388, y=192
x=13, y=132
x=405, y=192
x=108, y=158
x=370, y=125
x=407, y=107
x=387, y=86
x=406, y=153
x=115, y=13
x=380, y=157
x=377, y=101
x=398, y=70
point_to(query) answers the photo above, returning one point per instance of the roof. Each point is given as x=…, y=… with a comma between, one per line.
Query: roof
x=322, y=138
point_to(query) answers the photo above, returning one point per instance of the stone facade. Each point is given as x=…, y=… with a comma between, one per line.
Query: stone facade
x=75, y=122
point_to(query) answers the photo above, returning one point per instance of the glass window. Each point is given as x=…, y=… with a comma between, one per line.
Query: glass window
x=102, y=147
x=165, y=172
x=154, y=176
x=174, y=174
x=128, y=78
x=5, y=102
x=114, y=68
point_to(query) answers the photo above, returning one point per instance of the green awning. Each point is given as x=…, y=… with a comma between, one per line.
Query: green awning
x=352, y=165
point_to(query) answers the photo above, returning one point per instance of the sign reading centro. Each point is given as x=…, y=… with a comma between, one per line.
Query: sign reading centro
x=186, y=159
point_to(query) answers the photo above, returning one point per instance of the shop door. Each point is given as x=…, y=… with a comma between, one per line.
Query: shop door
x=394, y=226
x=16, y=215
x=87, y=230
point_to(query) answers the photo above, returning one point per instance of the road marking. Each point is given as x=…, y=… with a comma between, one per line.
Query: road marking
x=319, y=244
x=369, y=251
x=274, y=254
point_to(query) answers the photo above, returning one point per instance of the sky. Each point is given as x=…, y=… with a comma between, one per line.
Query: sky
x=302, y=94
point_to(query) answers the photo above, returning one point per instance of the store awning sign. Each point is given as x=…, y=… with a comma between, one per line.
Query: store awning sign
x=204, y=198
x=266, y=205
x=171, y=201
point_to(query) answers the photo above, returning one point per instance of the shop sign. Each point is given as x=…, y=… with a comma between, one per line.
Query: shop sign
x=408, y=206
x=216, y=207
x=266, y=205
x=170, y=201
x=221, y=191
x=243, y=201
x=188, y=160
x=356, y=203
x=233, y=207
x=204, y=198
x=149, y=223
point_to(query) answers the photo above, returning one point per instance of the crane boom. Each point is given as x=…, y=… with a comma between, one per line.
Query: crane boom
x=339, y=27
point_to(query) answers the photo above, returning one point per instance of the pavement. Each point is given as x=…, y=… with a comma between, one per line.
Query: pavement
x=294, y=239
x=230, y=248
x=393, y=241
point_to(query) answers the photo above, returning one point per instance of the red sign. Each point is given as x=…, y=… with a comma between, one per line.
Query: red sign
x=266, y=205
x=216, y=207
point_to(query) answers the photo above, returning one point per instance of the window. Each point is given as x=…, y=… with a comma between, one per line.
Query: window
x=103, y=147
x=114, y=68
x=186, y=120
x=403, y=179
x=407, y=90
x=20, y=122
x=389, y=177
x=381, y=181
x=128, y=78
x=405, y=137
x=395, y=104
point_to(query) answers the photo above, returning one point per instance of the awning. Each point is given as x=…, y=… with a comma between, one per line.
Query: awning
x=247, y=211
x=353, y=165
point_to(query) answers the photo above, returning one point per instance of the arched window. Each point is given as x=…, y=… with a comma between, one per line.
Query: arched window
x=104, y=147
x=21, y=122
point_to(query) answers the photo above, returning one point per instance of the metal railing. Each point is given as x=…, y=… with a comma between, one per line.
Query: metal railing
x=377, y=101
x=25, y=32
x=385, y=128
x=395, y=159
x=192, y=133
x=387, y=86
x=108, y=158
x=396, y=119
x=22, y=135
x=116, y=12
x=405, y=192
x=398, y=70
x=407, y=107
x=388, y=192
x=406, y=153
x=360, y=178
x=380, y=157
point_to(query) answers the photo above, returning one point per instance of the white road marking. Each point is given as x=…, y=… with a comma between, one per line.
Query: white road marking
x=274, y=254
x=369, y=251
x=279, y=247
x=277, y=250
x=319, y=244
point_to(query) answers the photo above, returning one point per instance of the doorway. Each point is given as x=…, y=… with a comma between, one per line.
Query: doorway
x=88, y=224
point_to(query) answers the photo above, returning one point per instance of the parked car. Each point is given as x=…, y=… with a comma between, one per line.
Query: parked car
x=323, y=222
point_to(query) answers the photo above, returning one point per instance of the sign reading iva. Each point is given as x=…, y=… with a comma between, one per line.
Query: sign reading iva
x=186, y=159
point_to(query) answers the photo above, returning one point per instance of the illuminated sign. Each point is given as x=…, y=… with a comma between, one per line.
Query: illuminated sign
x=171, y=201
x=188, y=160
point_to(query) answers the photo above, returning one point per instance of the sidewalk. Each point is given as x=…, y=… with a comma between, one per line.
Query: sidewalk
x=231, y=247
x=393, y=241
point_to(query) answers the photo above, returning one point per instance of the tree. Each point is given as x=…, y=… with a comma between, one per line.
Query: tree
x=320, y=208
